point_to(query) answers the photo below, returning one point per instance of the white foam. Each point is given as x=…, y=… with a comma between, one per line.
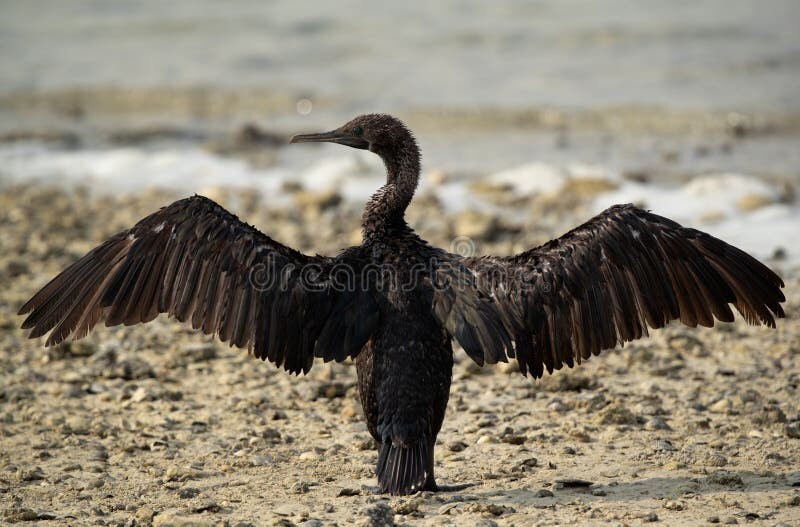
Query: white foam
x=134, y=169
x=709, y=202
x=712, y=203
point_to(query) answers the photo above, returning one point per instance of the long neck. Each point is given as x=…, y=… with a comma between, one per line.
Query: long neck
x=385, y=211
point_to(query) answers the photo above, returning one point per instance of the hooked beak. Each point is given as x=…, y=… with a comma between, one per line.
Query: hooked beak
x=335, y=136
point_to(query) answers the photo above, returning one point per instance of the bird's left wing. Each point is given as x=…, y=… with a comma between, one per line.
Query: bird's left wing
x=200, y=264
x=603, y=283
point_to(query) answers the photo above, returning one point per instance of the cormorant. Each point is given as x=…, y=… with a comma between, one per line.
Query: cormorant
x=394, y=303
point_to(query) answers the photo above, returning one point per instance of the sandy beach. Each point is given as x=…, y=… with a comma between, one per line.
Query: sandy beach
x=158, y=425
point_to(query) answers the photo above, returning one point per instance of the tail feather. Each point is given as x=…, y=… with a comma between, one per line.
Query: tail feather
x=404, y=469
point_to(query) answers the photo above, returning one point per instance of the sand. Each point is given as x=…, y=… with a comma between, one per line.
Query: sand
x=159, y=425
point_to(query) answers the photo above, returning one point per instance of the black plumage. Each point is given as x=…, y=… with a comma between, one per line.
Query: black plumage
x=394, y=303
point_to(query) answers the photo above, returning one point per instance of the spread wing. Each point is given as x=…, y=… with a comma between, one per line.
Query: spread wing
x=200, y=264
x=605, y=282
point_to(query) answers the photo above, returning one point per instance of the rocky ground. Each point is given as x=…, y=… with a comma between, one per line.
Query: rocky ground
x=157, y=425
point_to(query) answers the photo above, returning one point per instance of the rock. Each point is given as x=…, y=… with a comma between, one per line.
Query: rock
x=674, y=505
x=456, y=446
x=730, y=520
x=408, y=506
x=33, y=474
x=617, y=414
x=308, y=455
x=188, y=492
x=656, y=423
x=793, y=430
x=726, y=479
x=651, y=517
x=316, y=201
x=713, y=519
x=140, y=395
x=664, y=446
x=495, y=509
x=23, y=514
x=300, y=487
x=568, y=483
x=346, y=492
x=200, y=351
x=543, y=493
x=723, y=406
x=475, y=225
x=378, y=515
x=259, y=461
x=177, y=473
x=485, y=439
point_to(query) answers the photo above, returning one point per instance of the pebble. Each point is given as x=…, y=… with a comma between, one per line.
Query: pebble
x=308, y=455
x=378, y=515
x=616, y=414
x=793, y=430
x=651, y=517
x=188, y=493
x=656, y=423
x=456, y=446
x=544, y=493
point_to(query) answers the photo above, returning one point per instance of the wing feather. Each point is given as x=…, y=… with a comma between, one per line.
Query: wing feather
x=195, y=261
x=603, y=284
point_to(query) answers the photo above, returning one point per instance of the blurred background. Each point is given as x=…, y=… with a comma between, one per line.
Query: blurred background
x=522, y=108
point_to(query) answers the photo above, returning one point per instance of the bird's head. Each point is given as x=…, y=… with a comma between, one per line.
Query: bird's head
x=377, y=132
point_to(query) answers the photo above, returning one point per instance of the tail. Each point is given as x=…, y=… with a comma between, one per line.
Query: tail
x=405, y=469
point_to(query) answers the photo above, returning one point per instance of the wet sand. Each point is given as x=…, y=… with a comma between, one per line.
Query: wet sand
x=159, y=425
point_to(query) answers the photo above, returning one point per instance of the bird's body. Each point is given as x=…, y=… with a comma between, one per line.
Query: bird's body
x=395, y=303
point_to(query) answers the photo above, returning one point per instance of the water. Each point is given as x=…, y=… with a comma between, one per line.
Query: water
x=393, y=55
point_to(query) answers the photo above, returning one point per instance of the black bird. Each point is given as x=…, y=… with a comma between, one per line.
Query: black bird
x=394, y=303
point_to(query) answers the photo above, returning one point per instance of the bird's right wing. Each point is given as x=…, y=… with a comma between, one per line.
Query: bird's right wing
x=199, y=263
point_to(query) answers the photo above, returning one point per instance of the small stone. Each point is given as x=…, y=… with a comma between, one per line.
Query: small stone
x=300, y=487
x=793, y=430
x=616, y=414
x=544, y=493
x=723, y=406
x=730, y=520
x=378, y=515
x=656, y=423
x=140, y=395
x=22, y=514
x=456, y=446
x=345, y=492
x=485, y=439
x=713, y=519
x=188, y=492
x=727, y=479
x=664, y=446
x=308, y=455
x=599, y=492
x=569, y=450
x=573, y=483
x=649, y=518
x=674, y=505
x=259, y=461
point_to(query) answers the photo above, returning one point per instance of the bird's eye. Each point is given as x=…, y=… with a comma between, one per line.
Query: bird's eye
x=357, y=131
